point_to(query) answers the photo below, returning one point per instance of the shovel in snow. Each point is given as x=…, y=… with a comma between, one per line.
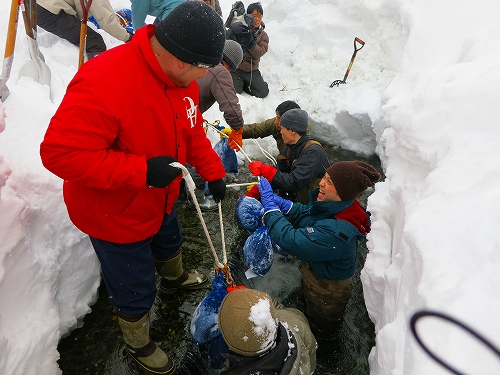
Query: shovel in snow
x=36, y=67
x=9, y=49
x=356, y=49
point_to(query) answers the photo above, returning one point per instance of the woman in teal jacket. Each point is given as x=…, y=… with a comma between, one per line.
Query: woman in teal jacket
x=324, y=235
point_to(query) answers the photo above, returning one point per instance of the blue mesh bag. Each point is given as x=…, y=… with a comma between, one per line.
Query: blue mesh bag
x=227, y=155
x=204, y=324
x=258, y=251
x=248, y=213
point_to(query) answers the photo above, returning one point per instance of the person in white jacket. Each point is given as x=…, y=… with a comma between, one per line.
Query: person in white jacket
x=63, y=18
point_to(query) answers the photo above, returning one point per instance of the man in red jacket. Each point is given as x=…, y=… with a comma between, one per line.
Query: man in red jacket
x=113, y=149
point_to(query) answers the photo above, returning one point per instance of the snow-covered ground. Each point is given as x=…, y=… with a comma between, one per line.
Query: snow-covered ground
x=423, y=94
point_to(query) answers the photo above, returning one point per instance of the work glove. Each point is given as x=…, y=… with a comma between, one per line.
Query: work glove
x=226, y=132
x=284, y=204
x=160, y=173
x=253, y=191
x=259, y=169
x=235, y=139
x=218, y=189
x=267, y=196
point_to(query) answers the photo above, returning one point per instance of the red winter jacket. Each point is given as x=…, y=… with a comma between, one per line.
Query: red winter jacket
x=119, y=110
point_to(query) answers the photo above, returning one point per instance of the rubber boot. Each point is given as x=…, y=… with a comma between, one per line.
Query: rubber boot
x=142, y=349
x=174, y=277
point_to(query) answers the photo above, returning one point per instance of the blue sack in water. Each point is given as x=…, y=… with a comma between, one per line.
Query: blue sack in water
x=227, y=155
x=248, y=213
x=258, y=251
x=204, y=324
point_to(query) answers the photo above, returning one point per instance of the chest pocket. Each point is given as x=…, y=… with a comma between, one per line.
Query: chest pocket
x=286, y=158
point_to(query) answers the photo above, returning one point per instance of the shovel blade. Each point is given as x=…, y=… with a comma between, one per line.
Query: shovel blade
x=4, y=92
x=39, y=72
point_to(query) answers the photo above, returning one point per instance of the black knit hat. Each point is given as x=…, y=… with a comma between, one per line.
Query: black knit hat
x=194, y=33
x=351, y=178
x=295, y=119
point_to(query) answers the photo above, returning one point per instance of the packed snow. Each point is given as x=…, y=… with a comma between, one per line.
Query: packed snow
x=423, y=94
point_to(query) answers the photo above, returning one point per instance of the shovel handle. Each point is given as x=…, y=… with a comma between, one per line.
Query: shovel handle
x=83, y=35
x=12, y=30
x=357, y=40
x=83, y=30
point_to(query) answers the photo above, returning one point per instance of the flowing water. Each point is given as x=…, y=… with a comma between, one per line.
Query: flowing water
x=97, y=347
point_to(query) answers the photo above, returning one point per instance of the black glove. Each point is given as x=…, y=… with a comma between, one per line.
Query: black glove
x=218, y=189
x=160, y=173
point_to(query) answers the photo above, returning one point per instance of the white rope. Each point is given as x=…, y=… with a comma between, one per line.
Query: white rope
x=191, y=186
x=221, y=224
x=266, y=153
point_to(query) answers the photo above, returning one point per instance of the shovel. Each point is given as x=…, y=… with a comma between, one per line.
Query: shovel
x=9, y=49
x=83, y=29
x=356, y=49
x=36, y=67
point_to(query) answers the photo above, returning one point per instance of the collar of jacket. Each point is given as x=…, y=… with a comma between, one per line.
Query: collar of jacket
x=141, y=41
x=278, y=360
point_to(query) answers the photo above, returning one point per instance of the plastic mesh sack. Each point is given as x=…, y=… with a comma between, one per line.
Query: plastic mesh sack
x=258, y=251
x=205, y=323
x=248, y=213
x=227, y=155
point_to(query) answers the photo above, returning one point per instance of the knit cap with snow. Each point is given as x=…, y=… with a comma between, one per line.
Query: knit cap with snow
x=233, y=53
x=295, y=119
x=351, y=178
x=194, y=33
x=247, y=321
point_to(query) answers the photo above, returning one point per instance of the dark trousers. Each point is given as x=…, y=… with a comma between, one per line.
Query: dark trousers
x=252, y=83
x=67, y=27
x=128, y=270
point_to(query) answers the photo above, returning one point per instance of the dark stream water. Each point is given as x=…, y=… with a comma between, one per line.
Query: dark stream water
x=97, y=347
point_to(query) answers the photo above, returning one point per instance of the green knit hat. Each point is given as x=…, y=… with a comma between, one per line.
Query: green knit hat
x=247, y=320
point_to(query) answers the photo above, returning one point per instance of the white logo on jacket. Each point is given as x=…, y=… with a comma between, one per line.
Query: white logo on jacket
x=190, y=110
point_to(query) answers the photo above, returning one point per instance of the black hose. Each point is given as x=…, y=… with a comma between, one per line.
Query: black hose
x=423, y=313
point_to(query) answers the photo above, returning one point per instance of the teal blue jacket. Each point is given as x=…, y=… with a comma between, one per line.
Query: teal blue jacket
x=157, y=8
x=312, y=233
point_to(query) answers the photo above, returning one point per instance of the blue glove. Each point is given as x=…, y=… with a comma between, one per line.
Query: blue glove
x=267, y=196
x=284, y=204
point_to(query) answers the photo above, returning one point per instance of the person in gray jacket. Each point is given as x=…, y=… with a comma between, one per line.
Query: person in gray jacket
x=264, y=337
x=63, y=18
x=217, y=86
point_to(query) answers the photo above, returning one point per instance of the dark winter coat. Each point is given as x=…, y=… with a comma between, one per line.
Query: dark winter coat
x=298, y=167
x=251, y=58
x=100, y=137
x=217, y=86
x=313, y=234
x=294, y=354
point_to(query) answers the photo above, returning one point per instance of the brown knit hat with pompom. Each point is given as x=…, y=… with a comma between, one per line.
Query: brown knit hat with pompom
x=352, y=178
x=247, y=320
